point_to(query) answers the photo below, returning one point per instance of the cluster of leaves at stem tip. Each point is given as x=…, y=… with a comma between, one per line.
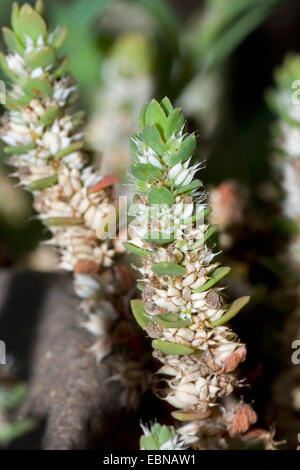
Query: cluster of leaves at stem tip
x=160, y=437
x=28, y=25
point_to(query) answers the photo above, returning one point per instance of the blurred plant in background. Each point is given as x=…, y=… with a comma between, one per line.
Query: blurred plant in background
x=210, y=39
x=285, y=103
x=12, y=394
x=127, y=82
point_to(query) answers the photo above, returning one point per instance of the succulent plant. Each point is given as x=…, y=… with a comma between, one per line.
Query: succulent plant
x=43, y=143
x=182, y=308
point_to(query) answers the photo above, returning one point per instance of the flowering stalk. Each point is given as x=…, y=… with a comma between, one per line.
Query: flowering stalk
x=182, y=309
x=43, y=144
x=284, y=101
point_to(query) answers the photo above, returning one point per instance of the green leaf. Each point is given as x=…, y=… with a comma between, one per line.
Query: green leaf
x=64, y=221
x=168, y=269
x=184, y=151
x=43, y=183
x=39, y=87
x=57, y=37
x=155, y=115
x=12, y=103
x=40, y=7
x=189, y=187
x=29, y=23
x=152, y=138
x=72, y=148
x=11, y=397
x=12, y=41
x=14, y=430
x=15, y=15
x=171, y=320
x=191, y=415
x=62, y=68
x=148, y=443
x=137, y=250
x=216, y=276
x=41, y=58
x=49, y=116
x=166, y=105
x=139, y=313
x=142, y=117
x=10, y=75
x=200, y=216
x=78, y=118
x=146, y=172
x=167, y=347
x=209, y=232
x=158, y=238
x=236, y=306
x=140, y=286
x=10, y=150
x=174, y=122
x=161, y=195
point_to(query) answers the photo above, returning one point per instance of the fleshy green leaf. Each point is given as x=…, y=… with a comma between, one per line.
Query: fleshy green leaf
x=152, y=138
x=166, y=105
x=158, y=238
x=11, y=397
x=15, y=14
x=43, y=183
x=148, y=443
x=170, y=320
x=20, y=150
x=236, y=306
x=216, y=276
x=12, y=431
x=142, y=116
x=49, y=116
x=57, y=37
x=67, y=221
x=62, y=68
x=155, y=115
x=167, y=347
x=168, y=269
x=72, y=148
x=189, y=187
x=200, y=216
x=174, y=122
x=40, y=7
x=29, y=23
x=146, y=172
x=12, y=41
x=209, y=232
x=39, y=87
x=41, y=58
x=137, y=250
x=139, y=312
x=184, y=151
x=190, y=415
x=10, y=75
x=160, y=195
